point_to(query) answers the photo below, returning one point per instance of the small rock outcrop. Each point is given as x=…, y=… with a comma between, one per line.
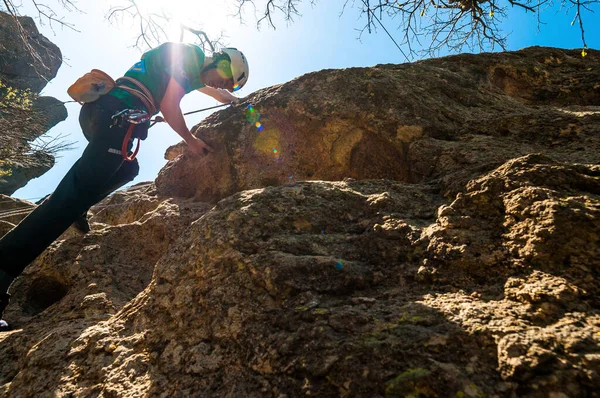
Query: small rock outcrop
x=425, y=230
x=28, y=61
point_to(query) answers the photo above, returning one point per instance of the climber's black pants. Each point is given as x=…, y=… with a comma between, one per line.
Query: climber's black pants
x=93, y=177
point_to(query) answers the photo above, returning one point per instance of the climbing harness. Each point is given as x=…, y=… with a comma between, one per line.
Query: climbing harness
x=131, y=118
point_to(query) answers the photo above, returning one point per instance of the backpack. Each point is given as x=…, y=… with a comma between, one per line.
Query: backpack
x=94, y=84
x=91, y=86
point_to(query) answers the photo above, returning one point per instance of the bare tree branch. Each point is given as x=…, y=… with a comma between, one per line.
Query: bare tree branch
x=578, y=4
x=151, y=26
x=204, y=40
x=453, y=25
x=445, y=24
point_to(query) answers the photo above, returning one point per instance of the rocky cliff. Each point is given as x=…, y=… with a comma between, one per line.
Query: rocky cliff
x=28, y=61
x=417, y=230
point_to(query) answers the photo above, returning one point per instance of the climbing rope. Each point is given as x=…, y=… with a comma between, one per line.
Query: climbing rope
x=8, y=213
x=160, y=119
x=26, y=211
x=13, y=213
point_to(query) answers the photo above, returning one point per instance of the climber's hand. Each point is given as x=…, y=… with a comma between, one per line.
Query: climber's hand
x=199, y=147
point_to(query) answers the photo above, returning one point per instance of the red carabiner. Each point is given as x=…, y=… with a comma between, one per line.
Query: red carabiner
x=125, y=142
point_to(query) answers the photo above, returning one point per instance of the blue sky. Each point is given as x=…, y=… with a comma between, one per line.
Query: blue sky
x=320, y=39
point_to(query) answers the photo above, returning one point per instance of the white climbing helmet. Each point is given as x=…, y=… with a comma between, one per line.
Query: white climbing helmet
x=239, y=67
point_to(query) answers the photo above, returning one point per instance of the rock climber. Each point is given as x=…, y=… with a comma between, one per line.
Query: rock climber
x=156, y=83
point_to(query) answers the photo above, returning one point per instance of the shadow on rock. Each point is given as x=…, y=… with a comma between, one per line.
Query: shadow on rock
x=520, y=249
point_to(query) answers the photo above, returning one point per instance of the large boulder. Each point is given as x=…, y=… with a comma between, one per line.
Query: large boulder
x=471, y=270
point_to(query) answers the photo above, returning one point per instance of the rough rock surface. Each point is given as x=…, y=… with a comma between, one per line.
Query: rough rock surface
x=449, y=119
x=17, y=65
x=19, y=162
x=453, y=251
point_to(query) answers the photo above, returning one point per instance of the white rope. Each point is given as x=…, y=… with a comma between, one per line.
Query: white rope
x=21, y=212
x=8, y=213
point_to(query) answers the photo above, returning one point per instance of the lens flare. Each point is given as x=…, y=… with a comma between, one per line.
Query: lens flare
x=275, y=150
x=253, y=117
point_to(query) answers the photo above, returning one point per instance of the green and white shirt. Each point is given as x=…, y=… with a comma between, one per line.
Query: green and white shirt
x=180, y=61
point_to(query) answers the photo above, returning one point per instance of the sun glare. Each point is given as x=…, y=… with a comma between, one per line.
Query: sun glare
x=209, y=16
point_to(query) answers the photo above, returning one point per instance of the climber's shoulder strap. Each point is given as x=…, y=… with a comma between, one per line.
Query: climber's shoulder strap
x=140, y=91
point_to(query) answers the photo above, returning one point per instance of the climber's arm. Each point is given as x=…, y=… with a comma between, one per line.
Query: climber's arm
x=171, y=110
x=223, y=96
